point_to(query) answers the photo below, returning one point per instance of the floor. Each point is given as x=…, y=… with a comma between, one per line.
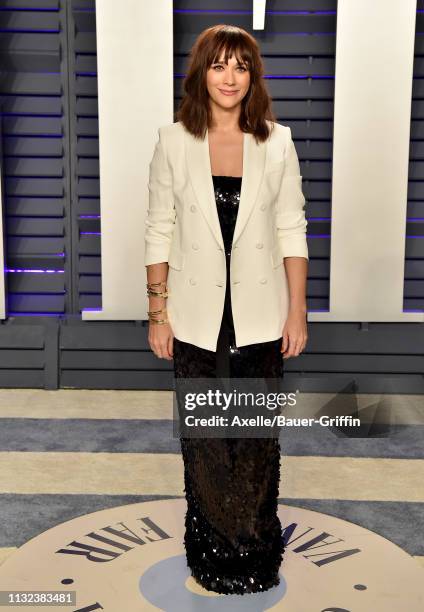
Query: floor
x=61, y=453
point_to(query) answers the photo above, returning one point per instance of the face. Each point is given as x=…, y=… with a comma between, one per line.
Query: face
x=227, y=84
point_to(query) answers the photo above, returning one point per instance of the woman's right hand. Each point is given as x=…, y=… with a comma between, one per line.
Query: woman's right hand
x=161, y=340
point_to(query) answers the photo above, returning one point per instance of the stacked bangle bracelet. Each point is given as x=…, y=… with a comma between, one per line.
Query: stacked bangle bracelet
x=154, y=292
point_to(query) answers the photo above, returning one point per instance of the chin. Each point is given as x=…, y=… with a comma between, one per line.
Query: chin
x=228, y=102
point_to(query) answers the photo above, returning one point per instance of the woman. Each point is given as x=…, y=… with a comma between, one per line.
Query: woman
x=225, y=212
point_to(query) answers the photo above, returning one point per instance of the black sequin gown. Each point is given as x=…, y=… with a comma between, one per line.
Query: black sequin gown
x=233, y=536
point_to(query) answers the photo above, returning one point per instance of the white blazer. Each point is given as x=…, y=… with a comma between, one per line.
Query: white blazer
x=182, y=228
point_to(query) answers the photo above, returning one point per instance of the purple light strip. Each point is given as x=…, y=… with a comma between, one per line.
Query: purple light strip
x=30, y=9
x=180, y=75
x=308, y=235
x=36, y=72
x=33, y=271
x=408, y=219
x=28, y=31
x=249, y=12
x=329, y=236
x=82, y=9
x=11, y=313
x=73, y=315
x=29, y=135
x=48, y=115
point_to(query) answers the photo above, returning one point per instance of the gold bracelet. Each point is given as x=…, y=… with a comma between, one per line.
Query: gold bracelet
x=152, y=293
x=155, y=312
x=155, y=284
x=158, y=321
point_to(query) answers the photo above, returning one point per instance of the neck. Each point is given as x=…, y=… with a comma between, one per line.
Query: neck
x=223, y=119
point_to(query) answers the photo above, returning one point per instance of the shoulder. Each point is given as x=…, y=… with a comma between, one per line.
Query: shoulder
x=171, y=130
x=170, y=136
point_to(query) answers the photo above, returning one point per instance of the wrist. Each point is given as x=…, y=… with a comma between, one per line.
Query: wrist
x=298, y=306
x=157, y=302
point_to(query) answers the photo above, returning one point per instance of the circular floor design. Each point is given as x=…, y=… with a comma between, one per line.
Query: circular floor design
x=131, y=558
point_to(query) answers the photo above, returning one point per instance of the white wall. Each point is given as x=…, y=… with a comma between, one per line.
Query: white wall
x=135, y=94
x=372, y=117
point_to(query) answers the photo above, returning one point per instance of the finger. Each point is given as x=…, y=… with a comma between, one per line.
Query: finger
x=297, y=347
x=158, y=350
x=165, y=350
x=286, y=352
x=293, y=348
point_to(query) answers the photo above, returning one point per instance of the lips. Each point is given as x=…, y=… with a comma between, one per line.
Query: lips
x=228, y=93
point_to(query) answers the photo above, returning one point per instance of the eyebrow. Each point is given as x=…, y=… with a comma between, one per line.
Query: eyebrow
x=223, y=62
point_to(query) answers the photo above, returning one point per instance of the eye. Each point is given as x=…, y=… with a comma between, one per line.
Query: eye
x=242, y=68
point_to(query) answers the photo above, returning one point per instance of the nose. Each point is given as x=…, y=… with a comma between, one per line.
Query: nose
x=229, y=77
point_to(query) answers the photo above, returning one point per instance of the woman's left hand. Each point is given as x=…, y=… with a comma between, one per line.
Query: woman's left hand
x=295, y=333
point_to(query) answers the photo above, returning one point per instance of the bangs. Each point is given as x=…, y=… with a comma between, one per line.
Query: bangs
x=231, y=43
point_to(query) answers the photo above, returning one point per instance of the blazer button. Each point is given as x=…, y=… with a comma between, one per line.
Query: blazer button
x=193, y=281
x=193, y=208
x=263, y=280
x=236, y=282
x=219, y=283
x=262, y=207
x=259, y=245
x=195, y=246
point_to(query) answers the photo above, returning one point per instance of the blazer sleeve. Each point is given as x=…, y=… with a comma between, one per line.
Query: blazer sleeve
x=290, y=216
x=161, y=214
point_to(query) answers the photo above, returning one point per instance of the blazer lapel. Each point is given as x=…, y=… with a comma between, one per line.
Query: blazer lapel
x=199, y=169
x=253, y=170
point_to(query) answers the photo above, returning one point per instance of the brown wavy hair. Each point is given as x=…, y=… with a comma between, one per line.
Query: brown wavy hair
x=256, y=107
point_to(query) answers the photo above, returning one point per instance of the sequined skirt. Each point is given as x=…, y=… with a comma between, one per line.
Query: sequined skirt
x=233, y=536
